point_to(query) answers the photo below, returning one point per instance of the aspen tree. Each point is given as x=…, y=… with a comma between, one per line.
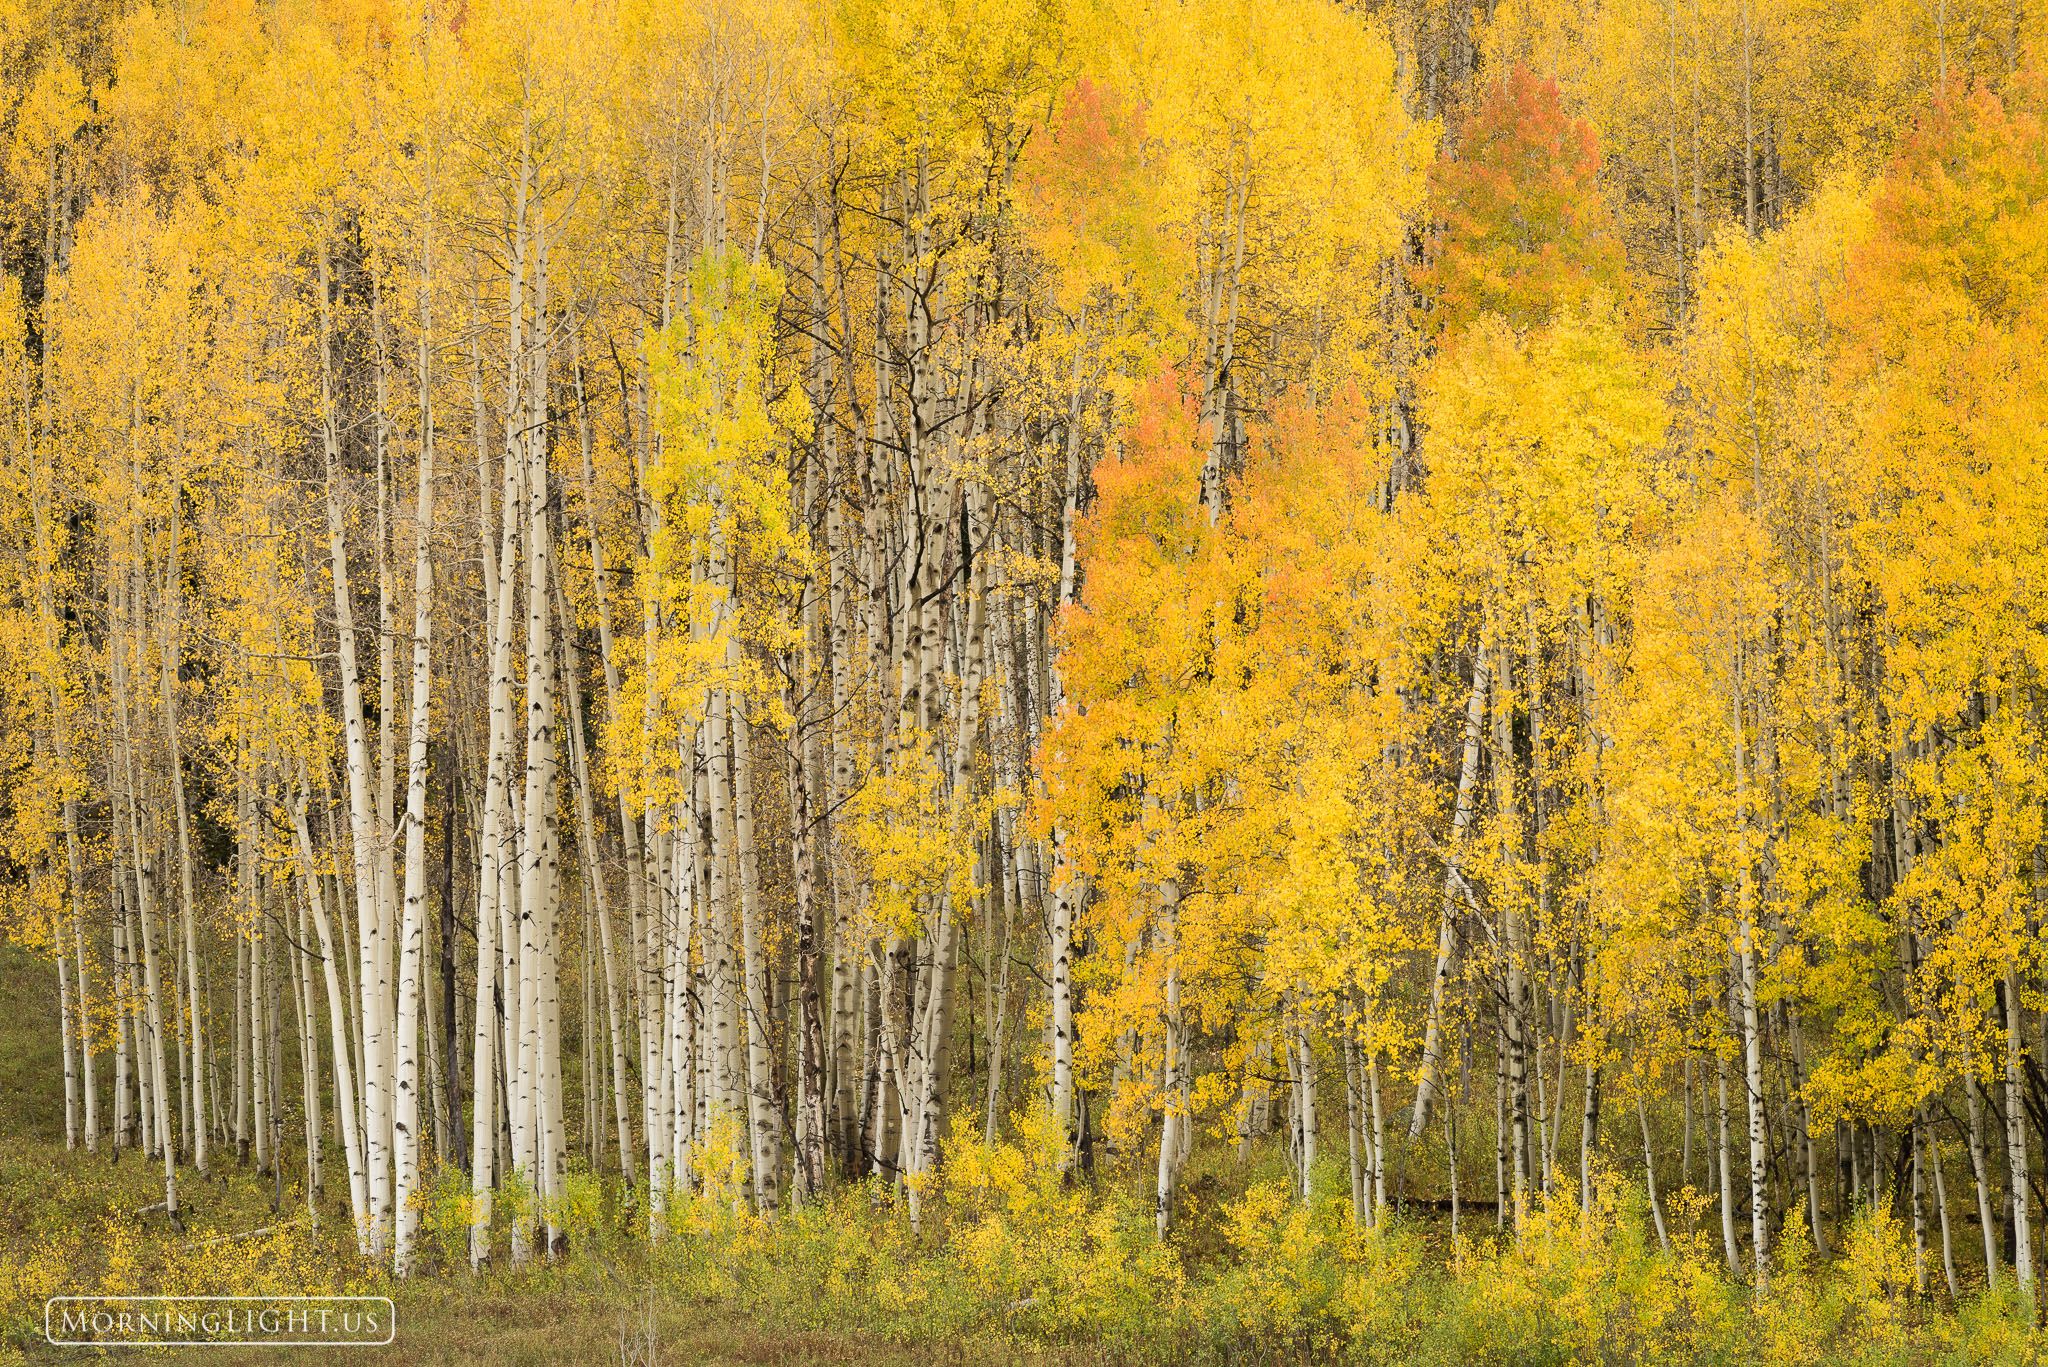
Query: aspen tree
x=412, y=930
x=376, y=1100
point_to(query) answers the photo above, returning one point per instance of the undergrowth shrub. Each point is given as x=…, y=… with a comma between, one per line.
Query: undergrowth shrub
x=1014, y=1248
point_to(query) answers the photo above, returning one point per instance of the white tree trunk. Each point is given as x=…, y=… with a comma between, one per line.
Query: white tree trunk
x=2016, y=1138
x=1171, y=1118
x=1454, y=888
x=362, y=822
x=530, y=1128
x=344, y=1081
x=412, y=932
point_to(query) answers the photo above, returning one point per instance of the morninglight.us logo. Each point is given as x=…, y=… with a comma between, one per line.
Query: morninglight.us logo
x=219, y=1321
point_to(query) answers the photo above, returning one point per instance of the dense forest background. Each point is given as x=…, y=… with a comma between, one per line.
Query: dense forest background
x=733, y=599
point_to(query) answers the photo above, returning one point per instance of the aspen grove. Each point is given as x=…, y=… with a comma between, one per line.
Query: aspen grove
x=738, y=597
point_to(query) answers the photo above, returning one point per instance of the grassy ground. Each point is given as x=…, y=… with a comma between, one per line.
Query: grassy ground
x=536, y=1328
x=457, y=1326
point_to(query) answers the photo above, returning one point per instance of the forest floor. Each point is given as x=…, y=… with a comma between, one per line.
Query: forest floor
x=440, y=1320
x=843, y=1285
